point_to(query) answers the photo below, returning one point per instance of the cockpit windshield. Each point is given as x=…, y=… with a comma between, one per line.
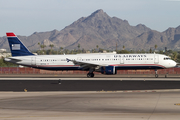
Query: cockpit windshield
x=167, y=58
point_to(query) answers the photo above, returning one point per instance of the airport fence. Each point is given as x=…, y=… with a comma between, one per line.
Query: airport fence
x=26, y=70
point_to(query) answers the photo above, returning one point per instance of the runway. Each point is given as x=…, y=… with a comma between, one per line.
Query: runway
x=90, y=98
x=87, y=84
x=89, y=105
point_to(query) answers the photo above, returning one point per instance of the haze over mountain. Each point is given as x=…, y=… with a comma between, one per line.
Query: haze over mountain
x=104, y=31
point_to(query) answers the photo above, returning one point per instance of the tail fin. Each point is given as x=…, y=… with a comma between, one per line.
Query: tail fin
x=16, y=46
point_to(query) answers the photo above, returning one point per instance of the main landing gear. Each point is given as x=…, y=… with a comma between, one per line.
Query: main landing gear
x=90, y=75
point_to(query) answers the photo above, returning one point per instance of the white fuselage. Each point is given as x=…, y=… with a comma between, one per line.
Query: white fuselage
x=120, y=61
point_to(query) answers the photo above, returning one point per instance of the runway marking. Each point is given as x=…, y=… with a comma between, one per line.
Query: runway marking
x=142, y=91
x=36, y=116
x=25, y=90
x=106, y=91
x=178, y=104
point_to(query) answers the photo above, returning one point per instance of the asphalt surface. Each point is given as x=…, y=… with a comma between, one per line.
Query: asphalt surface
x=85, y=76
x=86, y=85
x=89, y=98
x=90, y=105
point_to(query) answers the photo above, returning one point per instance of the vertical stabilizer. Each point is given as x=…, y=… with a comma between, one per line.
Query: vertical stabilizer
x=16, y=46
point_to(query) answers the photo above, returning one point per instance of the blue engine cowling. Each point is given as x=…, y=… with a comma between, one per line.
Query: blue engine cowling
x=108, y=70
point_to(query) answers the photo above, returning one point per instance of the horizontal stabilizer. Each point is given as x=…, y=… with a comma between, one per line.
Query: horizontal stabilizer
x=12, y=59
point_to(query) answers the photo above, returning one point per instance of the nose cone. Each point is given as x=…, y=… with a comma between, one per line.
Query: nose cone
x=174, y=64
x=171, y=64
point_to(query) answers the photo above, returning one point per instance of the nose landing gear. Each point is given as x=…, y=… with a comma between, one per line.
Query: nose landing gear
x=156, y=73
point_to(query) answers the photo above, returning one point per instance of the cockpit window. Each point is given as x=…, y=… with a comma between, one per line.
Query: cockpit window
x=166, y=58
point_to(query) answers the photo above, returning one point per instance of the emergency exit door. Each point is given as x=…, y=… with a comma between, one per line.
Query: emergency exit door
x=156, y=59
x=33, y=60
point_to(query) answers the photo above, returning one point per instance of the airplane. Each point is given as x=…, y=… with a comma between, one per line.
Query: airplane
x=105, y=63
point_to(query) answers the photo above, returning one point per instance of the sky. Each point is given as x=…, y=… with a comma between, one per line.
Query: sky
x=24, y=17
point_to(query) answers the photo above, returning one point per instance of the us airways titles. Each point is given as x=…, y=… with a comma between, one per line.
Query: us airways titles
x=129, y=56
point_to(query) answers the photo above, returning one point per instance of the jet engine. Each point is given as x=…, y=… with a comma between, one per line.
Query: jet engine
x=109, y=70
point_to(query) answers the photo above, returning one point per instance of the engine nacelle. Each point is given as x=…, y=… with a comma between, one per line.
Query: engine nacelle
x=109, y=70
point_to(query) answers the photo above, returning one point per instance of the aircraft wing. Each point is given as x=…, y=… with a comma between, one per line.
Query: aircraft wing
x=86, y=65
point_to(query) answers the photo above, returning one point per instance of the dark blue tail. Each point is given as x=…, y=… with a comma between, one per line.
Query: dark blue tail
x=16, y=46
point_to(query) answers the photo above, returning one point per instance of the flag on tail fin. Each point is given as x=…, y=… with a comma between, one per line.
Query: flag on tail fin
x=16, y=46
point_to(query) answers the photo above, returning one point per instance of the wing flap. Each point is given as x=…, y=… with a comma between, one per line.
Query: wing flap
x=85, y=65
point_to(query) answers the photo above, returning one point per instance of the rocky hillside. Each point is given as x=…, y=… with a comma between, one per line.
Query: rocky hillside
x=104, y=31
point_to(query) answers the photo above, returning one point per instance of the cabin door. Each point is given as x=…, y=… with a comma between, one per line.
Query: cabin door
x=33, y=60
x=156, y=59
x=79, y=59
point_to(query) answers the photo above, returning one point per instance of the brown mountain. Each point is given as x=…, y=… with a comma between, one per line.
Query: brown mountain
x=173, y=36
x=104, y=31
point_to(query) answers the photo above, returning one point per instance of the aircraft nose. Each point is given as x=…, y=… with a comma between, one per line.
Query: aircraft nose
x=174, y=64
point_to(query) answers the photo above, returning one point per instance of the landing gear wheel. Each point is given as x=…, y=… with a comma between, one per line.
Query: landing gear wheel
x=166, y=76
x=90, y=75
x=156, y=75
